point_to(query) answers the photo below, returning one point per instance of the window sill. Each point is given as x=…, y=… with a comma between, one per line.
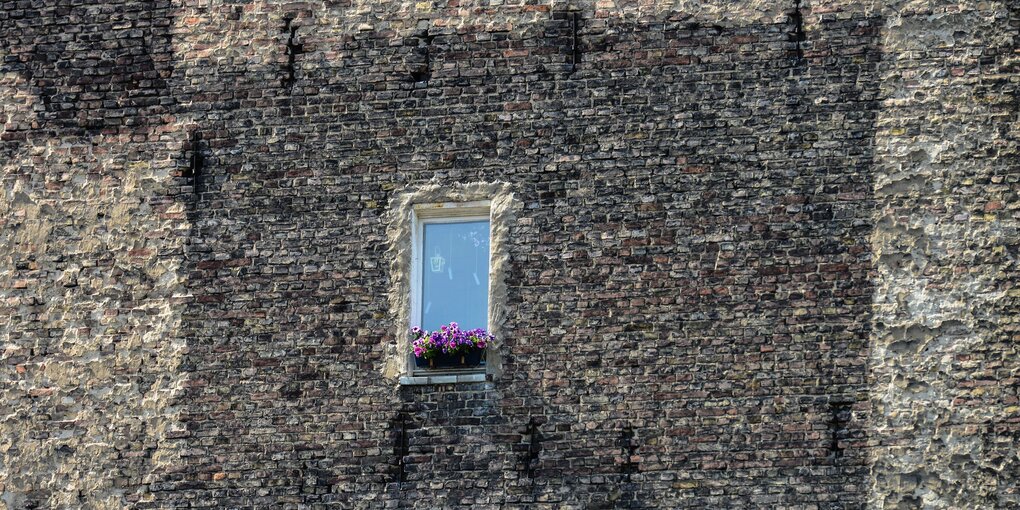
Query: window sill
x=422, y=380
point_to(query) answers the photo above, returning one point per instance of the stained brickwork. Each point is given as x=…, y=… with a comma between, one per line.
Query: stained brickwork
x=91, y=244
x=761, y=254
x=945, y=345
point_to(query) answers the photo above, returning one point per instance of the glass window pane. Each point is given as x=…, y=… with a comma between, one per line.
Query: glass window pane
x=455, y=274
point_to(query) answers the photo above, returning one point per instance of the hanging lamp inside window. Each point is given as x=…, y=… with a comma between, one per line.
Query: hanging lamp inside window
x=437, y=262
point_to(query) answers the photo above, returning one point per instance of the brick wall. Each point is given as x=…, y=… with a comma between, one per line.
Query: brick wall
x=695, y=310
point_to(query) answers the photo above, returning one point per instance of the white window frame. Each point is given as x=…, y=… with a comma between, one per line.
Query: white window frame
x=447, y=212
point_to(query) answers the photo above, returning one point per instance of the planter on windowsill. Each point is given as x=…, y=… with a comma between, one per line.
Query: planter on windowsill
x=464, y=348
x=469, y=359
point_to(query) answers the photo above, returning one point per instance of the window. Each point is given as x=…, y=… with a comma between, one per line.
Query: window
x=468, y=225
x=450, y=265
x=454, y=273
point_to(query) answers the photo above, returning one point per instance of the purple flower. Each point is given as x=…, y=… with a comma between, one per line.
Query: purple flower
x=448, y=339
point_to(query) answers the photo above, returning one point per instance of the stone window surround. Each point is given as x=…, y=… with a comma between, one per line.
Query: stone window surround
x=401, y=222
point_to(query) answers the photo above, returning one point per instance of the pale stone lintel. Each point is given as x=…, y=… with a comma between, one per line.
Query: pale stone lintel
x=441, y=379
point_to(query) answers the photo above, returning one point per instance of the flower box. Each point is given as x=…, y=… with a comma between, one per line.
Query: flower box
x=449, y=347
x=469, y=359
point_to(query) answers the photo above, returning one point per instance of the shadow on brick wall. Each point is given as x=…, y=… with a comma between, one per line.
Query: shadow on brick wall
x=690, y=300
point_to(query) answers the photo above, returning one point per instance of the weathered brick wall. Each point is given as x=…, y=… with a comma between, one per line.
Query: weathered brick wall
x=945, y=361
x=690, y=253
x=91, y=244
x=701, y=284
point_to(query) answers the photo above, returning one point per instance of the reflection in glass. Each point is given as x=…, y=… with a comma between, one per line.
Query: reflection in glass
x=455, y=274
